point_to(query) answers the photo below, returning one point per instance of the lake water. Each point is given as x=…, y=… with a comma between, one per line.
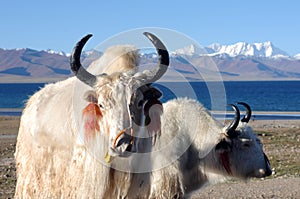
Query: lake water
x=278, y=96
x=260, y=95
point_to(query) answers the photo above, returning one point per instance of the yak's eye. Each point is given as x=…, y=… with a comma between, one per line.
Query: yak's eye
x=101, y=106
x=246, y=145
x=246, y=142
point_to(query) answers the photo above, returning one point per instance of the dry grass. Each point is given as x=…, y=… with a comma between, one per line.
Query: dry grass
x=8, y=136
x=281, y=144
x=283, y=149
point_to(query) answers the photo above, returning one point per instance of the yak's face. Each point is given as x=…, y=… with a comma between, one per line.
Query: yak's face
x=117, y=109
x=108, y=109
x=111, y=116
x=240, y=151
x=243, y=156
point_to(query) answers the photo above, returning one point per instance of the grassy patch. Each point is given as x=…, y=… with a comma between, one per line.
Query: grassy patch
x=283, y=149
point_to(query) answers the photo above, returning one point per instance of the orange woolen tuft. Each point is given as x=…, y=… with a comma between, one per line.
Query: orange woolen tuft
x=91, y=115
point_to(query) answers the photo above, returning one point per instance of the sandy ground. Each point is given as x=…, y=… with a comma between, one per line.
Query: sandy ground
x=269, y=188
x=281, y=141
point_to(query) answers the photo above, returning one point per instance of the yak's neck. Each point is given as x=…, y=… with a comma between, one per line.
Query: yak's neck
x=216, y=164
x=192, y=176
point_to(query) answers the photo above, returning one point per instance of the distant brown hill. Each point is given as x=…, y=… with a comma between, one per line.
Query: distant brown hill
x=28, y=64
x=31, y=65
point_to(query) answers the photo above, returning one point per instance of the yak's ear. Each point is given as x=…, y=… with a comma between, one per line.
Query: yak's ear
x=224, y=145
x=91, y=116
x=154, y=124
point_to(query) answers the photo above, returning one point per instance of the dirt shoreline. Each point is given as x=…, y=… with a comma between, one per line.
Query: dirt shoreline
x=281, y=139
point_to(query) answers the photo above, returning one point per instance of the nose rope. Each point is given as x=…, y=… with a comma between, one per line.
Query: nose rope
x=121, y=133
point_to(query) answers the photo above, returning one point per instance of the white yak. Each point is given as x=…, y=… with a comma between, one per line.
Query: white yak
x=71, y=130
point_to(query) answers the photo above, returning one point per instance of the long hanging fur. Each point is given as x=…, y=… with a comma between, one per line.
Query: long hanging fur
x=51, y=159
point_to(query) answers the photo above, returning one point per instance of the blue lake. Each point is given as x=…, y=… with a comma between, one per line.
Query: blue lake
x=281, y=96
x=260, y=95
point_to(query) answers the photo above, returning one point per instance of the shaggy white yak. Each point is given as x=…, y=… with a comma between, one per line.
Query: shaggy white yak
x=200, y=150
x=71, y=130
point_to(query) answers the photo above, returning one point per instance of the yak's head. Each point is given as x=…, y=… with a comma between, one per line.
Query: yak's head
x=115, y=100
x=240, y=151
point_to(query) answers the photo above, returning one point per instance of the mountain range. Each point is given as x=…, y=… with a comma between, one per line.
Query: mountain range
x=240, y=61
x=265, y=49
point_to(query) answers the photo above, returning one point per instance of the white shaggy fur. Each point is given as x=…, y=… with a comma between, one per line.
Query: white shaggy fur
x=116, y=59
x=51, y=159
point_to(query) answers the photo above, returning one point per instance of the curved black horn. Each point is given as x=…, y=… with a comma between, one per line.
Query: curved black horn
x=163, y=57
x=230, y=130
x=80, y=72
x=247, y=117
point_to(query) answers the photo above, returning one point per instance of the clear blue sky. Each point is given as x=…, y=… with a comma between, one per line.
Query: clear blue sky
x=58, y=24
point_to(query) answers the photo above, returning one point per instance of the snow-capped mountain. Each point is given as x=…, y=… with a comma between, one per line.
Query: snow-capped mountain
x=265, y=49
x=297, y=56
x=242, y=60
x=50, y=51
x=61, y=53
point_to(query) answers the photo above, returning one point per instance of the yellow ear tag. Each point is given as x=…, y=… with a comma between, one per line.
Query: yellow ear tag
x=108, y=158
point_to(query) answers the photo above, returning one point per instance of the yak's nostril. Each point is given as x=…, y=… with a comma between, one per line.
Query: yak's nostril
x=123, y=144
x=268, y=166
x=123, y=139
x=268, y=171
